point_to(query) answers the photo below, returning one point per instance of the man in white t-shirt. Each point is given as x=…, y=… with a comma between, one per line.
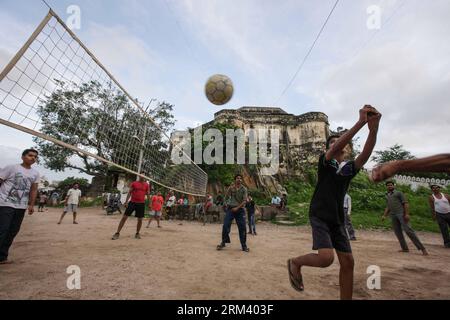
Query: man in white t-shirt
x=170, y=203
x=71, y=202
x=18, y=191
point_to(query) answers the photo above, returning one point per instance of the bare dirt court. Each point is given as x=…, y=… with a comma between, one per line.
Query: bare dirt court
x=180, y=262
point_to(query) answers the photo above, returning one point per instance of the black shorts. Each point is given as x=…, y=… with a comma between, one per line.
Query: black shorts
x=138, y=207
x=329, y=236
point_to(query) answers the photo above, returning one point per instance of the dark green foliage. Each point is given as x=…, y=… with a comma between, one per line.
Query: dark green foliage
x=219, y=173
x=67, y=183
x=368, y=203
x=99, y=119
x=396, y=152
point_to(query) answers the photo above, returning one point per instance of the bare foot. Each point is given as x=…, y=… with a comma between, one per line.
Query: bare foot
x=425, y=252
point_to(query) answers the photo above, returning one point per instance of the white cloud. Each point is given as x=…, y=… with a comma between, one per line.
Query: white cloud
x=130, y=59
x=405, y=73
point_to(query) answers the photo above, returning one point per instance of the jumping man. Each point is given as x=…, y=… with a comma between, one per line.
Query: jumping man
x=327, y=205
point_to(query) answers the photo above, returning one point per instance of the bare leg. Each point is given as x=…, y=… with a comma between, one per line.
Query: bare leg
x=324, y=258
x=122, y=223
x=75, y=218
x=157, y=221
x=149, y=221
x=139, y=225
x=346, y=274
x=62, y=217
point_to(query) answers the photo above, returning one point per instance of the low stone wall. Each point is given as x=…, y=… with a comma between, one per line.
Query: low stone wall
x=268, y=213
x=416, y=182
x=217, y=213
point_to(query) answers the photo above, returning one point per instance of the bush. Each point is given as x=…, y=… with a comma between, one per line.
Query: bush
x=368, y=203
x=96, y=202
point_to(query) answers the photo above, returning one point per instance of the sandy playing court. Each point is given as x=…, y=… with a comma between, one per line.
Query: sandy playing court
x=180, y=262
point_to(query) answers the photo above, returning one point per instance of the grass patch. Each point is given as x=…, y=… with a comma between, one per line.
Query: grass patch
x=368, y=204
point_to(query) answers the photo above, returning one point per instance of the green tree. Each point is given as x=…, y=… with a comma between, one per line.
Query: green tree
x=67, y=183
x=396, y=152
x=222, y=173
x=105, y=124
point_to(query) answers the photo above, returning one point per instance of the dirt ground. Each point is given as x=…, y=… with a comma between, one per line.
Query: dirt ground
x=181, y=262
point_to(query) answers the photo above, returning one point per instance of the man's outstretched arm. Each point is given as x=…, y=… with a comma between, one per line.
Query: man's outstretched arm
x=437, y=163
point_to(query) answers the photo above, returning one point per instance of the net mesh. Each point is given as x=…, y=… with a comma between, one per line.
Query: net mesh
x=58, y=91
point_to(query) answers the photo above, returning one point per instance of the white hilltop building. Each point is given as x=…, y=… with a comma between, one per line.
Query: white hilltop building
x=416, y=182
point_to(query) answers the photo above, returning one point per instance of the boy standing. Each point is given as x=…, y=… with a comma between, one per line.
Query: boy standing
x=156, y=207
x=18, y=191
x=42, y=201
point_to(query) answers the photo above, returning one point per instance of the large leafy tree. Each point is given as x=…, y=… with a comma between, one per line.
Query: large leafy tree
x=101, y=120
x=67, y=183
x=396, y=152
x=222, y=173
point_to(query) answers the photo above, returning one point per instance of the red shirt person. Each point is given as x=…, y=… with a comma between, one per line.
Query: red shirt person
x=157, y=202
x=138, y=191
x=156, y=207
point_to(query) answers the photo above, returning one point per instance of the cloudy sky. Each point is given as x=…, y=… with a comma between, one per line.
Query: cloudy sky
x=166, y=49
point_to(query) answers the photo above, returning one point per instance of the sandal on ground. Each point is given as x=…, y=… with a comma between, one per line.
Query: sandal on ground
x=220, y=246
x=296, y=283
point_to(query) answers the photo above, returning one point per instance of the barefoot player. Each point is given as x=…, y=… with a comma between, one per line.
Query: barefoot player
x=327, y=205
